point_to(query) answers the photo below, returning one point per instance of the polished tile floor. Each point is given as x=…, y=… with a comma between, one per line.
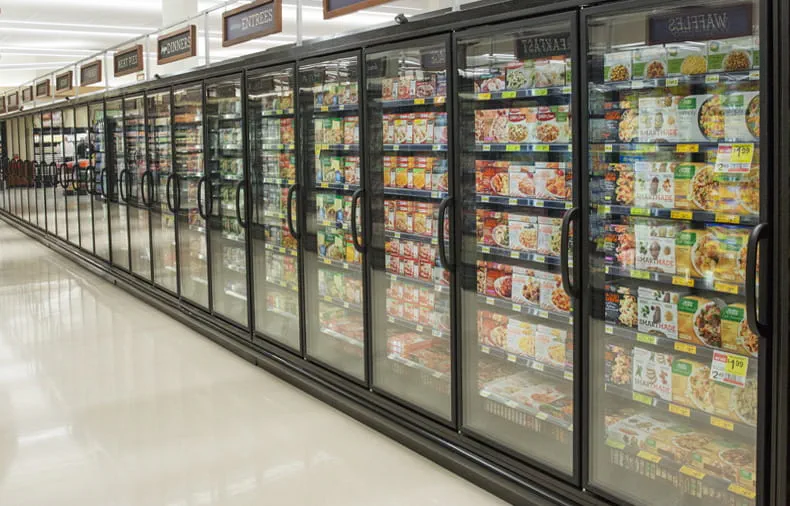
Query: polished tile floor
x=105, y=401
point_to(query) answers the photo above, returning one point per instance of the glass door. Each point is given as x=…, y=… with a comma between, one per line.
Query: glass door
x=675, y=192
x=117, y=184
x=23, y=169
x=225, y=185
x=33, y=168
x=188, y=164
x=101, y=211
x=63, y=174
x=329, y=102
x=407, y=131
x=71, y=191
x=516, y=162
x=86, y=178
x=138, y=185
x=49, y=169
x=275, y=245
x=160, y=165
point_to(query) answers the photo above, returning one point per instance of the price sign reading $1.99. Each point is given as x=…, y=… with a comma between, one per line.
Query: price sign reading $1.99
x=729, y=368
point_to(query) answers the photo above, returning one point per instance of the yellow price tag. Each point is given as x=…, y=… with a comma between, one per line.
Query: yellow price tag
x=541, y=415
x=511, y=357
x=712, y=78
x=541, y=148
x=485, y=249
x=543, y=313
x=566, y=90
x=609, y=329
x=745, y=492
x=395, y=147
x=485, y=198
x=640, y=211
x=419, y=101
x=419, y=328
x=324, y=108
x=686, y=348
x=672, y=81
x=615, y=444
x=644, y=399
x=537, y=366
x=512, y=147
x=508, y=94
x=737, y=365
x=539, y=258
x=722, y=424
x=437, y=147
x=725, y=287
x=486, y=147
x=651, y=457
x=742, y=153
x=687, y=148
x=679, y=410
x=681, y=215
x=727, y=218
x=485, y=349
x=537, y=203
x=512, y=202
x=608, y=148
x=636, y=274
x=646, y=338
x=568, y=375
x=754, y=75
x=516, y=308
x=683, y=281
x=438, y=100
x=484, y=96
x=540, y=92
x=515, y=254
x=690, y=471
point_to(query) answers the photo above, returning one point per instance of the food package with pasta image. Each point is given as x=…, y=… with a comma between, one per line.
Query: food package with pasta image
x=727, y=459
x=617, y=365
x=658, y=312
x=553, y=124
x=697, y=253
x=696, y=186
x=521, y=125
x=700, y=118
x=522, y=180
x=521, y=337
x=492, y=328
x=491, y=177
x=699, y=320
x=635, y=430
x=552, y=295
x=549, y=235
x=655, y=246
x=422, y=129
x=649, y=62
x=617, y=185
x=687, y=58
x=736, y=336
x=526, y=286
x=739, y=193
x=619, y=244
x=654, y=184
x=550, y=71
x=495, y=280
x=741, y=116
x=492, y=228
x=550, y=345
x=733, y=248
x=492, y=82
x=520, y=75
x=652, y=373
x=658, y=119
x=523, y=232
x=617, y=66
x=730, y=55
x=620, y=306
x=692, y=385
x=552, y=180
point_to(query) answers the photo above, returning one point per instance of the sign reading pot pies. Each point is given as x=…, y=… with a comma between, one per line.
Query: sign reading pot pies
x=27, y=94
x=128, y=61
x=176, y=45
x=13, y=101
x=90, y=73
x=63, y=81
x=334, y=8
x=258, y=19
x=42, y=88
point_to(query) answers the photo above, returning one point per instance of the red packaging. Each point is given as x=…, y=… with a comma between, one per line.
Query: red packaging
x=423, y=221
x=427, y=297
x=410, y=268
x=392, y=247
x=392, y=263
x=411, y=293
x=396, y=289
x=394, y=308
x=404, y=219
x=495, y=280
x=427, y=252
x=492, y=228
x=411, y=312
x=389, y=215
x=426, y=270
x=410, y=250
x=491, y=178
x=426, y=316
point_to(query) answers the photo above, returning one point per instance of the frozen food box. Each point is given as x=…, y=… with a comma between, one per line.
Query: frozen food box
x=553, y=124
x=404, y=216
x=498, y=279
x=654, y=184
x=619, y=244
x=423, y=219
x=727, y=459
x=336, y=131
x=523, y=231
x=549, y=235
x=617, y=365
x=550, y=71
x=351, y=130
x=552, y=295
x=652, y=373
x=732, y=240
x=407, y=343
x=741, y=116
x=520, y=75
x=692, y=385
x=687, y=58
x=492, y=228
x=655, y=247
x=736, y=335
x=658, y=312
x=697, y=253
x=658, y=119
x=550, y=345
x=491, y=178
x=389, y=88
x=739, y=193
x=526, y=286
x=388, y=129
x=440, y=128
x=521, y=125
x=425, y=88
x=521, y=337
x=620, y=306
x=695, y=186
x=649, y=62
x=406, y=87
x=617, y=66
x=491, y=82
x=422, y=129
x=730, y=55
x=521, y=180
x=551, y=180
x=617, y=185
x=352, y=255
x=700, y=118
x=404, y=133
x=699, y=320
x=635, y=430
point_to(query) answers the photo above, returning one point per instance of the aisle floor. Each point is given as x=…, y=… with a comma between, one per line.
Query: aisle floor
x=105, y=401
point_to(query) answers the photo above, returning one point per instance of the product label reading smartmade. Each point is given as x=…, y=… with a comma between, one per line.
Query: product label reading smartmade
x=258, y=19
x=705, y=23
x=177, y=45
x=129, y=61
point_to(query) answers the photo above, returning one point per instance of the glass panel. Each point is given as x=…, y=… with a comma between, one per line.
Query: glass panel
x=270, y=120
x=225, y=152
x=116, y=177
x=42, y=174
x=188, y=137
x=70, y=192
x=408, y=133
x=330, y=108
x=24, y=179
x=134, y=141
x=85, y=177
x=674, y=189
x=517, y=320
x=98, y=153
x=163, y=224
x=56, y=148
x=35, y=175
x=51, y=173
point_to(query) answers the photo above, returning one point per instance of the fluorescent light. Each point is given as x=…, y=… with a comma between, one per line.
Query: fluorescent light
x=83, y=52
x=78, y=25
x=70, y=32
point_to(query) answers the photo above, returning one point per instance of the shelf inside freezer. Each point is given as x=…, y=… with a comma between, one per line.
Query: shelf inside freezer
x=713, y=78
x=237, y=238
x=277, y=112
x=525, y=148
x=660, y=277
x=415, y=147
x=554, y=316
x=524, y=202
x=236, y=268
x=343, y=338
x=341, y=264
x=407, y=102
x=351, y=148
x=274, y=214
x=411, y=237
x=553, y=370
x=280, y=249
x=527, y=93
x=278, y=180
x=529, y=410
x=657, y=147
x=430, y=284
x=333, y=224
x=417, y=327
x=678, y=214
x=283, y=284
x=281, y=312
x=342, y=303
x=275, y=147
x=407, y=192
x=519, y=255
x=337, y=186
x=335, y=108
x=420, y=367
x=235, y=295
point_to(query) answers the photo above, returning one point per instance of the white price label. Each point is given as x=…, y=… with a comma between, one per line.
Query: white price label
x=734, y=158
x=729, y=368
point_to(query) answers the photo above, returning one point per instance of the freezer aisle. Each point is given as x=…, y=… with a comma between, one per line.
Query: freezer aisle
x=111, y=414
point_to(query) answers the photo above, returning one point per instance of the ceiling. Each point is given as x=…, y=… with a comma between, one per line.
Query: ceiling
x=38, y=37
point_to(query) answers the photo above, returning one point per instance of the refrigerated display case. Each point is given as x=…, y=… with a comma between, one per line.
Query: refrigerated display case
x=138, y=186
x=63, y=175
x=117, y=180
x=51, y=181
x=274, y=238
x=329, y=111
x=409, y=176
x=97, y=143
x=85, y=180
x=190, y=193
x=516, y=162
x=23, y=180
x=32, y=171
x=674, y=186
x=225, y=185
x=71, y=171
x=160, y=165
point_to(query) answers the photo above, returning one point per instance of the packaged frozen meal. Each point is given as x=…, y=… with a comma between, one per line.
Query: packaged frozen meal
x=655, y=246
x=658, y=312
x=521, y=337
x=619, y=244
x=422, y=129
x=526, y=286
x=440, y=128
x=523, y=231
x=730, y=55
x=739, y=193
x=736, y=335
x=522, y=180
x=699, y=320
x=654, y=184
x=687, y=58
x=617, y=186
x=520, y=75
x=617, y=66
x=550, y=345
x=552, y=295
x=620, y=306
x=550, y=72
x=492, y=228
x=404, y=132
x=649, y=62
x=732, y=249
x=490, y=82
x=727, y=459
x=550, y=180
x=617, y=365
x=700, y=118
x=652, y=373
x=697, y=253
x=491, y=178
x=696, y=186
x=549, y=235
x=692, y=385
x=521, y=123
x=553, y=124
x=351, y=130
x=741, y=116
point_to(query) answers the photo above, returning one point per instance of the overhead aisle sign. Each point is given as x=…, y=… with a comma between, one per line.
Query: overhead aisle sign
x=90, y=73
x=128, y=61
x=252, y=21
x=177, y=45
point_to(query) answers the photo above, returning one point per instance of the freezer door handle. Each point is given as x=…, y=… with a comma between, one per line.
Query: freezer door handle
x=75, y=175
x=442, y=218
x=168, y=189
x=239, y=188
x=289, y=212
x=201, y=182
x=758, y=235
x=62, y=175
x=103, y=178
x=91, y=179
x=123, y=182
x=148, y=177
x=354, y=232
x=568, y=284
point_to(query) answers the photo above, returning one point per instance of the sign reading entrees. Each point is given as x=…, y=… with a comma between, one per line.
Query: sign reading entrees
x=128, y=61
x=90, y=73
x=700, y=23
x=248, y=22
x=177, y=45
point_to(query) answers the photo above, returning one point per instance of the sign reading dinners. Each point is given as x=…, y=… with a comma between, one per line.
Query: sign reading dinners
x=177, y=45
